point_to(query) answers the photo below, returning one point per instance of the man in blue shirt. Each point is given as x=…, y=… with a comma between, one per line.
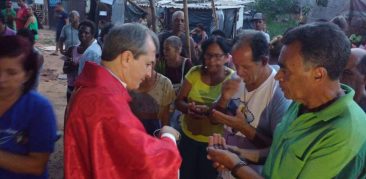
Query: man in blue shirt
x=62, y=19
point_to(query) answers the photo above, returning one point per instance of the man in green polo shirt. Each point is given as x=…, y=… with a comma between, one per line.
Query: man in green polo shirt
x=322, y=134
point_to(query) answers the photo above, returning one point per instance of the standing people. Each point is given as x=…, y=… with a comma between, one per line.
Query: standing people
x=201, y=87
x=92, y=50
x=260, y=24
x=199, y=35
x=152, y=100
x=88, y=50
x=32, y=23
x=322, y=133
x=4, y=30
x=354, y=75
x=62, y=19
x=29, y=34
x=69, y=33
x=27, y=121
x=22, y=14
x=9, y=15
x=103, y=139
x=178, y=30
x=103, y=33
x=176, y=66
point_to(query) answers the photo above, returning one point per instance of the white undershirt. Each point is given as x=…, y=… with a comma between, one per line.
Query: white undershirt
x=123, y=83
x=258, y=99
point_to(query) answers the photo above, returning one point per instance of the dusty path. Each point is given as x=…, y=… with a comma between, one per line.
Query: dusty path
x=53, y=85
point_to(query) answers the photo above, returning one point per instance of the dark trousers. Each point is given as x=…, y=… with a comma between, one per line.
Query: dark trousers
x=195, y=164
x=69, y=92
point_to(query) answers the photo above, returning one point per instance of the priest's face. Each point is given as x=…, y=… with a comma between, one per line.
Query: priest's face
x=141, y=67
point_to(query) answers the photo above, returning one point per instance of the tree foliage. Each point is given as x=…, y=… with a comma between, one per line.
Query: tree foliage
x=274, y=8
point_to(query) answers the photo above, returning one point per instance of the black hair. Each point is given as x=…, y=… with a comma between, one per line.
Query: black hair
x=29, y=34
x=221, y=42
x=91, y=25
x=257, y=42
x=322, y=44
x=200, y=26
x=15, y=47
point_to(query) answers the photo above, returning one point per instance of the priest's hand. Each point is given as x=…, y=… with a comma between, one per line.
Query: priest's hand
x=170, y=130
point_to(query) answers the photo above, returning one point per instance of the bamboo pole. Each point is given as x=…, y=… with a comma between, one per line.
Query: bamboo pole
x=214, y=14
x=186, y=25
x=153, y=15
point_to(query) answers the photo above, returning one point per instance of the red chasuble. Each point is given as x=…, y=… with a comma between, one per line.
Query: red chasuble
x=103, y=139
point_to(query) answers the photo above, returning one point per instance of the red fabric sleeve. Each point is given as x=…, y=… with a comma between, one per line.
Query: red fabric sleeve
x=110, y=142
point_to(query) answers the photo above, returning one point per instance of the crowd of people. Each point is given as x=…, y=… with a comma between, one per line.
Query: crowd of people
x=139, y=106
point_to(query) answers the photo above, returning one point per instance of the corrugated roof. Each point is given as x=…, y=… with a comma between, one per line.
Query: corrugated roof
x=220, y=4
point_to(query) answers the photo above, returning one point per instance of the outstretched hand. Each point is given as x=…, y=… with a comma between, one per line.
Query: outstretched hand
x=218, y=153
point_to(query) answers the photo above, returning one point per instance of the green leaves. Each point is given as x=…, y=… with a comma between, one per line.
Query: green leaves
x=273, y=8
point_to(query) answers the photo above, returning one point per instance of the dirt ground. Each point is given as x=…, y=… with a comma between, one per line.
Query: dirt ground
x=53, y=85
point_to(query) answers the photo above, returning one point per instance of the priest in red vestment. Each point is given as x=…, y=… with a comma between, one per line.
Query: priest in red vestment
x=103, y=139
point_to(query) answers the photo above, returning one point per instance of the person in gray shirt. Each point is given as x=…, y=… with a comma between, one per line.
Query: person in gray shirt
x=69, y=33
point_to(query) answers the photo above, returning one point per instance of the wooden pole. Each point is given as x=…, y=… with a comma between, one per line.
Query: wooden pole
x=153, y=15
x=186, y=25
x=214, y=14
x=45, y=12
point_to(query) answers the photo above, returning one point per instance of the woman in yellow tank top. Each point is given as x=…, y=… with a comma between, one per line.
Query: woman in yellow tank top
x=201, y=87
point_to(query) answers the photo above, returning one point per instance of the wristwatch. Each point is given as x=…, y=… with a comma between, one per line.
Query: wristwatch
x=236, y=167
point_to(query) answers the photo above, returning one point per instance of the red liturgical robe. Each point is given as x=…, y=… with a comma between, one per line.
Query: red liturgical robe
x=103, y=139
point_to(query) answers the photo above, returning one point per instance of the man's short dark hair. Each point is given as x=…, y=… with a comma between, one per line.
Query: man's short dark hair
x=257, y=42
x=323, y=45
x=91, y=25
x=127, y=37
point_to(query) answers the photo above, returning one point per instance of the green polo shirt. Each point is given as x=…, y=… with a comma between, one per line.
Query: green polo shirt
x=319, y=144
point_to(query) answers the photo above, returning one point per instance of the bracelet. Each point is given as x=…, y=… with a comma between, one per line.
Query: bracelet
x=236, y=167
